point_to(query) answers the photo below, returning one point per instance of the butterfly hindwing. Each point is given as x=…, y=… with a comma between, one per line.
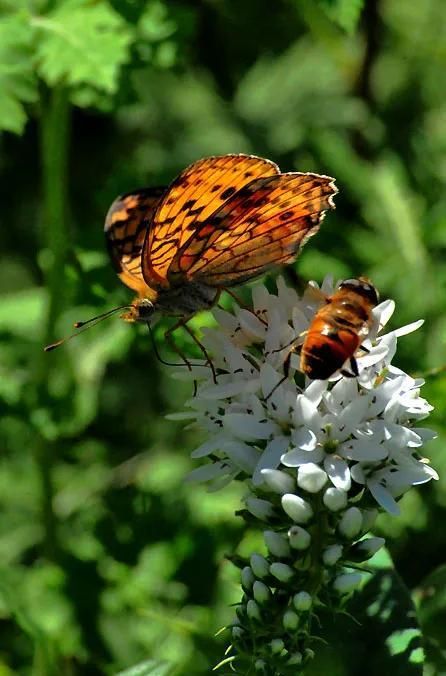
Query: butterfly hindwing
x=261, y=226
x=128, y=220
x=198, y=192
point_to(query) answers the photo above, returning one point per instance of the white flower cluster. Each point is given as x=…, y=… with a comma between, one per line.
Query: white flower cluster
x=339, y=435
x=317, y=457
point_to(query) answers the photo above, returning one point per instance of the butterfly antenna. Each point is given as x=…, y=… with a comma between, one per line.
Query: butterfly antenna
x=83, y=326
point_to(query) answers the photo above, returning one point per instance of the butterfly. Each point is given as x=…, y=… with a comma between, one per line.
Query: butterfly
x=223, y=221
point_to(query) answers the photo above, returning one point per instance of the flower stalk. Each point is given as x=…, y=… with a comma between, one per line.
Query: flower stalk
x=320, y=459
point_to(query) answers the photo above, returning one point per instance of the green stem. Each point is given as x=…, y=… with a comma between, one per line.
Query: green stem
x=54, y=129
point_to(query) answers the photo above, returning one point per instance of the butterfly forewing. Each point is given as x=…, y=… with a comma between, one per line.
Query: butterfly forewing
x=191, y=200
x=128, y=220
x=261, y=226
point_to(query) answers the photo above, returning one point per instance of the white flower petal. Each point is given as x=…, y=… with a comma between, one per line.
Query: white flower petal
x=375, y=355
x=207, y=472
x=383, y=312
x=338, y=472
x=270, y=458
x=408, y=328
x=304, y=439
x=242, y=456
x=248, y=428
x=296, y=457
x=306, y=413
x=384, y=498
x=252, y=325
x=209, y=446
x=229, y=389
x=363, y=450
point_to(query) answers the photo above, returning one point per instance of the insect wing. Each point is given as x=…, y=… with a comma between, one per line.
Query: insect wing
x=198, y=192
x=128, y=220
x=264, y=224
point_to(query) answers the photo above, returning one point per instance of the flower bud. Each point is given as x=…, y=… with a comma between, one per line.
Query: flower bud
x=290, y=620
x=281, y=571
x=277, y=481
x=369, y=517
x=261, y=509
x=237, y=632
x=299, y=538
x=276, y=543
x=351, y=523
x=311, y=477
x=259, y=565
x=332, y=554
x=364, y=550
x=335, y=499
x=247, y=578
x=261, y=592
x=297, y=508
x=276, y=645
x=260, y=666
x=295, y=659
x=347, y=582
x=253, y=610
x=302, y=601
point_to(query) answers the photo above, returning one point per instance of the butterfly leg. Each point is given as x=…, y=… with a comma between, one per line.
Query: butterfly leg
x=182, y=323
x=203, y=349
x=241, y=304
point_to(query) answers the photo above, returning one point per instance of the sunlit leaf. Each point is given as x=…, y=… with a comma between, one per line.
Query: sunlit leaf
x=17, y=81
x=344, y=12
x=381, y=635
x=149, y=668
x=82, y=43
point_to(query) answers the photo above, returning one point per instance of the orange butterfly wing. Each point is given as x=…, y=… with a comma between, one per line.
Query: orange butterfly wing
x=128, y=220
x=193, y=197
x=264, y=224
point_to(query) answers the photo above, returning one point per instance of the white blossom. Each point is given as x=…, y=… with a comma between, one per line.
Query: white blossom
x=319, y=459
x=348, y=431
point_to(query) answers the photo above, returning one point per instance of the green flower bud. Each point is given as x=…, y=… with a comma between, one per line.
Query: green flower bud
x=350, y=524
x=297, y=508
x=261, y=592
x=253, y=610
x=277, y=481
x=347, y=582
x=281, y=571
x=332, y=554
x=302, y=601
x=290, y=620
x=299, y=538
x=259, y=566
x=276, y=543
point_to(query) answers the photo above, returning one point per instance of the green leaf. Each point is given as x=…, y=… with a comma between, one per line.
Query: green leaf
x=381, y=635
x=147, y=668
x=17, y=81
x=431, y=599
x=81, y=43
x=346, y=13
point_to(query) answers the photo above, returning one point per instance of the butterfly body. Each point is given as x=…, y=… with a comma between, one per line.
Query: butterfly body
x=223, y=221
x=338, y=329
x=181, y=302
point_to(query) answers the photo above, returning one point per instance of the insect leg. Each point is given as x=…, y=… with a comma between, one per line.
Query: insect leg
x=354, y=369
x=182, y=323
x=203, y=349
x=242, y=305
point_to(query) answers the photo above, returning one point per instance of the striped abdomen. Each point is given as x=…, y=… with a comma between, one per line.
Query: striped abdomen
x=338, y=329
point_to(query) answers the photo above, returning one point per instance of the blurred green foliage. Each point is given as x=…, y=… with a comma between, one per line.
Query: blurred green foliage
x=107, y=558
